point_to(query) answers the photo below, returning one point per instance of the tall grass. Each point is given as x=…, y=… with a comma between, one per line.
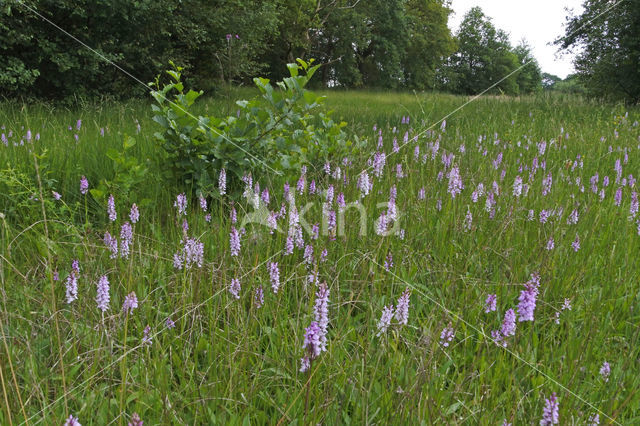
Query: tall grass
x=229, y=361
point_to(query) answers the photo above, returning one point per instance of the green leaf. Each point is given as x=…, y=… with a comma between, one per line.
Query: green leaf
x=129, y=142
x=293, y=69
x=113, y=154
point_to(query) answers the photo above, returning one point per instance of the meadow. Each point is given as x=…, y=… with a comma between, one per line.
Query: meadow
x=485, y=271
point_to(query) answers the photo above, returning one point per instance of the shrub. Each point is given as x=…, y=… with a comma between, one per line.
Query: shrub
x=277, y=132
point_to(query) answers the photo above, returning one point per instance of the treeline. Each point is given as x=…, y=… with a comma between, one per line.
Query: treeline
x=363, y=43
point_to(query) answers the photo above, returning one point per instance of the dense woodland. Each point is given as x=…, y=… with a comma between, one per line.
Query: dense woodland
x=387, y=44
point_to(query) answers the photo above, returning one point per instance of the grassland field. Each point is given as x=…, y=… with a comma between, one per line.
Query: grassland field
x=509, y=202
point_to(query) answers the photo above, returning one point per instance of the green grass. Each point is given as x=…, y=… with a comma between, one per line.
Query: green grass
x=229, y=362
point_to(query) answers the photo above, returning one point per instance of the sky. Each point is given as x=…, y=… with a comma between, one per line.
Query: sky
x=537, y=21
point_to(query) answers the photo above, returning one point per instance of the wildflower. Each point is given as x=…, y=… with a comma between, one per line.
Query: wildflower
x=617, y=198
x=274, y=276
x=233, y=215
x=135, y=419
x=468, y=221
x=605, y=370
x=234, y=241
x=312, y=339
x=550, y=244
x=102, y=297
x=111, y=208
x=517, y=187
x=323, y=255
x=312, y=187
x=288, y=246
x=421, y=194
x=169, y=323
x=364, y=183
x=455, y=182
x=302, y=184
x=594, y=183
x=265, y=196
x=203, y=203
x=379, y=160
x=72, y=421
x=633, y=208
x=146, y=336
x=477, y=193
x=126, y=238
x=135, y=214
x=576, y=243
x=490, y=303
x=388, y=262
x=618, y=169
x=308, y=254
x=546, y=184
x=385, y=319
x=337, y=173
x=447, y=336
x=321, y=313
x=259, y=297
x=509, y=324
x=550, y=412
x=527, y=299
x=544, y=216
x=72, y=282
x=594, y=419
x=311, y=344
x=56, y=195
x=305, y=364
x=181, y=204
x=235, y=288
x=112, y=244
x=130, y=303
x=222, y=181
x=402, y=307
x=193, y=252
x=573, y=217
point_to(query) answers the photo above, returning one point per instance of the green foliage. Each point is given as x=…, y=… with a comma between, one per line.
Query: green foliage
x=571, y=84
x=140, y=37
x=380, y=43
x=404, y=376
x=484, y=57
x=529, y=78
x=607, y=39
x=430, y=42
x=130, y=173
x=278, y=131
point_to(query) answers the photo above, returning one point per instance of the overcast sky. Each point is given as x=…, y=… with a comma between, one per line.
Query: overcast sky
x=538, y=21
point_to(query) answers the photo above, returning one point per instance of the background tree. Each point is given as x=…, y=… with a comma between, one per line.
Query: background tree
x=607, y=38
x=429, y=42
x=484, y=56
x=529, y=78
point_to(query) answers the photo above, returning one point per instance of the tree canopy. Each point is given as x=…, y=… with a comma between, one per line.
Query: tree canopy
x=485, y=56
x=606, y=37
x=371, y=44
